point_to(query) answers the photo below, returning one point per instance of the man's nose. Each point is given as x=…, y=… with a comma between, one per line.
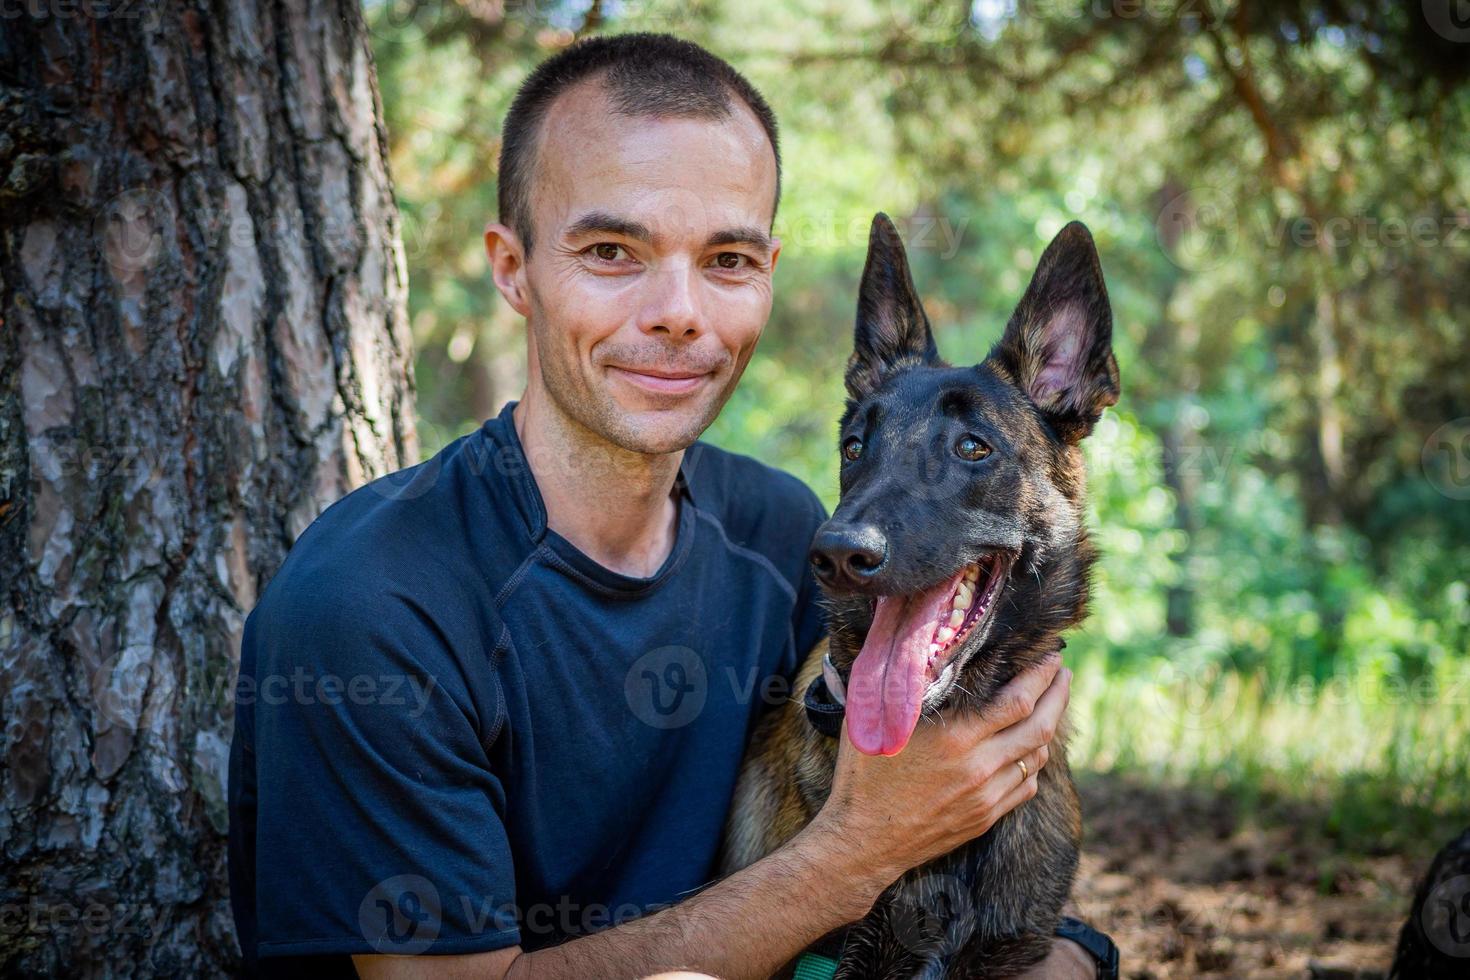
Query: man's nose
x=674, y=309
x=848, y=554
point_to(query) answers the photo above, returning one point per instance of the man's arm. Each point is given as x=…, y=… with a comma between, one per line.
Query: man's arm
x=746, y=925
x=885, y=815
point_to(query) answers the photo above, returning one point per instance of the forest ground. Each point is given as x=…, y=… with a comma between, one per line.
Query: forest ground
x=1188, y=886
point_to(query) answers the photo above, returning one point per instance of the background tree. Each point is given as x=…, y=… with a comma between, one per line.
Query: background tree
x=204, y=343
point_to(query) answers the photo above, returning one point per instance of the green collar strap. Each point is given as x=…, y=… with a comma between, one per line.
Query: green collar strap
x=812, y=966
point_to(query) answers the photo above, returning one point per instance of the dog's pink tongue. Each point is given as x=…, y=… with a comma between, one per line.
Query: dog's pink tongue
x=890, y=675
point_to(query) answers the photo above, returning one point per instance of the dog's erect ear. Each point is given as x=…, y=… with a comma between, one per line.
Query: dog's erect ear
x=892, y=330
x=1058, y=345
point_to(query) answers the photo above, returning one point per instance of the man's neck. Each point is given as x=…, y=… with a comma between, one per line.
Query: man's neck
x=616, y=506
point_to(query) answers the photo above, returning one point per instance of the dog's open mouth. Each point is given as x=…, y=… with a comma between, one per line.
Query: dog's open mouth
x=913, y=650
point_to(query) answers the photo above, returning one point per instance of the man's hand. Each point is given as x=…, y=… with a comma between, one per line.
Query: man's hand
x=949, y=785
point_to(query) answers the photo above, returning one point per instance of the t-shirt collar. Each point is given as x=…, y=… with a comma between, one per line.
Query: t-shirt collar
x=509, y=459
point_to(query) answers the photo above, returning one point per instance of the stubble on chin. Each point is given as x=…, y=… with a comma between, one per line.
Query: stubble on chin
x=653, y=433
x=590, y=402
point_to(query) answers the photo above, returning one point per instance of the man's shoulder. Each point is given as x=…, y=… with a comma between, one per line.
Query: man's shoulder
x=409, y=549
x=335, y=590
x=382, y=531
x=758, y=505
x=434, y=513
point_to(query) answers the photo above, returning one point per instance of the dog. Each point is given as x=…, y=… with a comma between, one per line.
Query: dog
x=1434, y=943
x=960, y=486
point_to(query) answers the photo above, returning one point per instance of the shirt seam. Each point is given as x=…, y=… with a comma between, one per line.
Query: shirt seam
x=514, y=582
x=755, y=556
x=502, y=708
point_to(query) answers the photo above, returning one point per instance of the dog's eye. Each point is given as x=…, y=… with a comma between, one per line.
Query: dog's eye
x=852, y=448
x=971, y=448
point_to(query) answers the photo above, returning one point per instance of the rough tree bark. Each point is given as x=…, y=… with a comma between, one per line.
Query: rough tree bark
x=204, y=343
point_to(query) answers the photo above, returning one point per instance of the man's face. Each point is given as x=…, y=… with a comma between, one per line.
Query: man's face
x=650, y=277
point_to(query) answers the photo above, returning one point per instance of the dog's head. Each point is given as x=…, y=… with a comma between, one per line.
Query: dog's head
x=958, y=549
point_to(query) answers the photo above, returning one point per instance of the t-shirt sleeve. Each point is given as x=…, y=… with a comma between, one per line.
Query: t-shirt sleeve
x=378, y=819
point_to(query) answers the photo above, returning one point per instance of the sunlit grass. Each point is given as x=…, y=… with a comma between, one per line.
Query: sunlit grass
x=1387, y=763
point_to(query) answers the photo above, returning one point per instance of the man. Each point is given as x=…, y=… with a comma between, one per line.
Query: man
x=578, y=609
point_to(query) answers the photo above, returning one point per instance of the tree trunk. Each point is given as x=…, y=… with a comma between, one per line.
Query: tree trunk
x=204, y=343
x=1326, y=480
x=1174, y=352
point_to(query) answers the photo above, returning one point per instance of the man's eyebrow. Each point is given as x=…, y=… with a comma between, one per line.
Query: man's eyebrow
x=605, y=222
x=741, y=236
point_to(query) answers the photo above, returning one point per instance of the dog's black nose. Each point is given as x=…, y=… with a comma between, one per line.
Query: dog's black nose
x=848, y=553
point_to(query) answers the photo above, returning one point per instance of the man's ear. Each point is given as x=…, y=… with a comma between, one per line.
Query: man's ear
x=1058, y=346
x=892, y=330
x=508, y=265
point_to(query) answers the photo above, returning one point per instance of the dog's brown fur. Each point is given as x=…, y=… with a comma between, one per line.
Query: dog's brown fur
x=787, y=778
x=990, y=908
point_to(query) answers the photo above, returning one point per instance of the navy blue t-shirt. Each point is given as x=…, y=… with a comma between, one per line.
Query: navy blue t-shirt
x=455, y=732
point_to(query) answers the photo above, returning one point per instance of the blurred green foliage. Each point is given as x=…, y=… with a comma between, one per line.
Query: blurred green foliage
x=1279, y=194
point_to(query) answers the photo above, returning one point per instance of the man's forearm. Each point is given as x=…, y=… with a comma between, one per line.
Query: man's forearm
x=747, y=925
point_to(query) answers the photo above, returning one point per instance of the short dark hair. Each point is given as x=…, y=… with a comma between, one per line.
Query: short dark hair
x=645, y=75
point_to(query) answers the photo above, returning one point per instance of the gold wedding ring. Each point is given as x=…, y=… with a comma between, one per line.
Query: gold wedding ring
x=1025, y=773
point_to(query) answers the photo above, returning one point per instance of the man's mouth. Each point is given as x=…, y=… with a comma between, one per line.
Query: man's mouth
x=913, y=653
x=662, y=381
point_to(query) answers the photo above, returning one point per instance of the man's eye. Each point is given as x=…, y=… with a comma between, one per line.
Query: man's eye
x=607, y=251
x=730, y=260
x=852, y=449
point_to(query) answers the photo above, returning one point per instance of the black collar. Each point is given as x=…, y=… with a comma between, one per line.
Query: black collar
x=822, y=710
x=826, y=699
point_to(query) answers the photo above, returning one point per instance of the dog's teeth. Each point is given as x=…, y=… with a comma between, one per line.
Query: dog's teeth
x=956, y=617
x=972, y=573
x=933, y=649
x=964, y=596
x=944, y=635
